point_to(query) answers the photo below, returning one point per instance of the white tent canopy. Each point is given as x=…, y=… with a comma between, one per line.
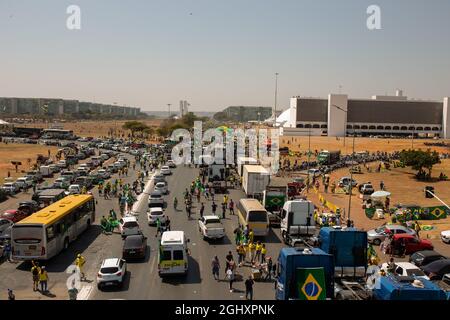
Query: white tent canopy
x=2, y=122
x=380, y=194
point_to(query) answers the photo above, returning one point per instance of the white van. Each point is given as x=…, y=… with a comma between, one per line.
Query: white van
x=173, y=253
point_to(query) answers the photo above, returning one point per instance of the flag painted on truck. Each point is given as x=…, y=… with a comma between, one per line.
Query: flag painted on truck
x=311, y=284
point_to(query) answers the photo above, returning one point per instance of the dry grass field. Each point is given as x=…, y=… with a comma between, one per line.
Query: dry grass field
x=20, y=152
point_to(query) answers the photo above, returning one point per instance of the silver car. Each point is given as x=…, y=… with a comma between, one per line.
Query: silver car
x=376, y=236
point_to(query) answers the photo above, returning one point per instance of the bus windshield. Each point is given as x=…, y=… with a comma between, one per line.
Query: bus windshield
x=257, y=216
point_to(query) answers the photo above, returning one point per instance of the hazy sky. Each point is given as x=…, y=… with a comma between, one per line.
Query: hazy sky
x=218, y=53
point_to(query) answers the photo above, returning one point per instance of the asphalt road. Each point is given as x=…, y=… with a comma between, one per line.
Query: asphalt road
x=143, y=281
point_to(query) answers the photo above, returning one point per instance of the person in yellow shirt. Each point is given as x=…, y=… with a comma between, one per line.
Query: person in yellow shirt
x=43, y=280
x=79, y=262
x=258, y=250
x=251, y=236
x=263, y=253
x=241, y=254
x=252, y=250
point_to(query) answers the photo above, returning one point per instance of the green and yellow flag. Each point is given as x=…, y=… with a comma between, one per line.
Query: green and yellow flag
x=311, y=284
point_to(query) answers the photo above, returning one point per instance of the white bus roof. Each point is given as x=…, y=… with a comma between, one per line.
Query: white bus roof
x=172, y=237
x=256, y=169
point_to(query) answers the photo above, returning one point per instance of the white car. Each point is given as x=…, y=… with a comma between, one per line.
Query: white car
x=23, y=182
x=161, y=187
x=112, y=272
x=10, y=188
x=104, y=174
x=445, y=236
x=171, y=164
x=62, y=164
x=61, y=183
x=211, y=228
x=165, y=170
x=156, y=200
x=128, y=226
x=156, y=213
x=74, y=189
x=406, y=269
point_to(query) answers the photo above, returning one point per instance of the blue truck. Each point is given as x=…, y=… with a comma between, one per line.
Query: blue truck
x=392, y=287
x=305, y=274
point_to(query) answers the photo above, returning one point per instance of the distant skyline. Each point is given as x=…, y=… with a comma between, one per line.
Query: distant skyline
x=148, y=53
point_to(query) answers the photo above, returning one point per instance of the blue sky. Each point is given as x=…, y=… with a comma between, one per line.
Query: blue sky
x=150, y=53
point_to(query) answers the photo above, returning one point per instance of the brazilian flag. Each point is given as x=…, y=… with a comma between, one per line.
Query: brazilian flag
x=311, y=284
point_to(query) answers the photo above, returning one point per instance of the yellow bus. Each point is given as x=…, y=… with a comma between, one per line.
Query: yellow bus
x=47, y=232
x=253, y=214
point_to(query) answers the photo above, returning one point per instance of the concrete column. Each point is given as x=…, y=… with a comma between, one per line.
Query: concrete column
x=337, y=118
x=446, y=118
x=292, y=122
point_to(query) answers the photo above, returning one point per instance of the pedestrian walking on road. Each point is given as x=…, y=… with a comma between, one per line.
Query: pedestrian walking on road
x=230, y=278
x=73, y=292
x=381, y=185
x=224, y=210
x=202, y=209
x=241, y=254
x=231, y=207
x=43, y=280
x=80, y=262
x=214, y=208
x=251, y=235
x=158, y=227
x=11, y=295
x=35, y=270
x=252, y=250
x=215, y=265
x=7, y=251
x=249, y=288
x=228, y=260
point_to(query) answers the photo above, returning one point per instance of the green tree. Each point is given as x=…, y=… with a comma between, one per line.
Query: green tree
x=420, y=161
x=134, y=127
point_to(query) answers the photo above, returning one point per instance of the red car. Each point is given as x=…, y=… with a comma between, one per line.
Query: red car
x=412, y=244
x=14, y=215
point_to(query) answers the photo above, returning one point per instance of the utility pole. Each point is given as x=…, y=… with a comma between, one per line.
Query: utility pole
x=275, y=106
x=351, y=182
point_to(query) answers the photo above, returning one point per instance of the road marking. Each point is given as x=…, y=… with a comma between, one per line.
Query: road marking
x=84, y=293
x=152, y=267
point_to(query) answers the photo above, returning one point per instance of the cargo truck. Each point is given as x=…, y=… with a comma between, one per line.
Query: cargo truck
x=326, y=157
x=255, y=179
x=297, y=221
x=242, y=161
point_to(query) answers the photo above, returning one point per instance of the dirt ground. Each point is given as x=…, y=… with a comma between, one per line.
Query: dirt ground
x=297, y=144
x=95, y=128
x=404, y=189
x=20, y=152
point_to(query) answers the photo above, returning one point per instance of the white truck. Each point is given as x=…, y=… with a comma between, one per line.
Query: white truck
x=46, y=171
x=242, y=161
x=297, y=221
x=255, y=179
x=211, y=228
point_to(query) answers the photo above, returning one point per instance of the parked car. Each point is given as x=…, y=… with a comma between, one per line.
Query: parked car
x=5, y=224
x=128, y=226
x=36, y=175
x=84, y=182
x=171, y=164
x=69, y=175
x=112, y=272
x=406, y=269
x=134, y=246
x=345, y=182
x=445, y=236
x=437, y=269
x=29, y=207
x=10, y=188
x=165, y=170
x=211, y=227
x=25, y=182
x=14, y=215
x=74, y=189
x=112, y=168
x=54, y=168
x=412, y=244
x=103, y=174
x=161, y=187
x=61, y=183
x=376, y=236
x=366, y=188
x=159, y=178
x=156, y=199
x=156, y=213
x=62, y=164
x=422, y=258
